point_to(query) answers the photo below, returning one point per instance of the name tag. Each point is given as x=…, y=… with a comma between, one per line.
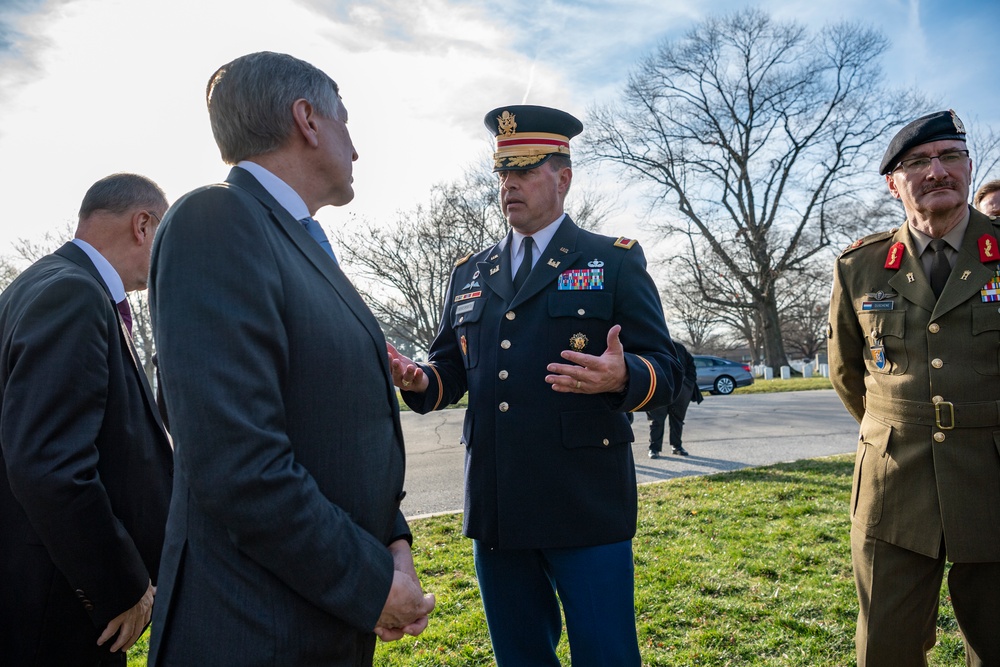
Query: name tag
x=876, y=305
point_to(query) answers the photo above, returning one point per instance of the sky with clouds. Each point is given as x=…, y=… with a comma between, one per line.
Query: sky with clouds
x=90, y=87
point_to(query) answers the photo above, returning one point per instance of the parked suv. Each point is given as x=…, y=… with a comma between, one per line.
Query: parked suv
x=721, y=376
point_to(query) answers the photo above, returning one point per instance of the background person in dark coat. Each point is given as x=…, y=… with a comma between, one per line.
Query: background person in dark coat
x=285, y=544
x=554, y=345
x=676, y=411
x=85, y=480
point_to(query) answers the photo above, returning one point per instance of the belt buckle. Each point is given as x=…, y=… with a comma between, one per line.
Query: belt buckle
x=950, y=414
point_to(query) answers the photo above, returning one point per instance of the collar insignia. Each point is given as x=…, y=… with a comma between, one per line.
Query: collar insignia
x=895, y=256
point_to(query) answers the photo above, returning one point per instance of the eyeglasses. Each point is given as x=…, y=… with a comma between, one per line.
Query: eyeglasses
x=158, y=221
x=917, y=165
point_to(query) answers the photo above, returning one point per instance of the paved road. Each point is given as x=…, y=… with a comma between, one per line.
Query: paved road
x=722, y=433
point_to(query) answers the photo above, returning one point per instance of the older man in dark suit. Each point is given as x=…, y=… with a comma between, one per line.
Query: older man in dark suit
x=85, y=480
x=285, y=545
x=556, y=333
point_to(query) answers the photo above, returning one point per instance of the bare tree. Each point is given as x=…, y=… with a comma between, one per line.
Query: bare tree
x=752, y=135
x=984, y=146
x=405, y=267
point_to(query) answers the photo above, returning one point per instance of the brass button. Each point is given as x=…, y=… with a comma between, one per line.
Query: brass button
x=461, y=319
x=937, y=399
x=606, y=442
x=504, y=407
x=505, y=344
x=581, y=312
x=937, y=363
x=934, y=327
x=510, y=315
x=503, y=375
x=939, y=437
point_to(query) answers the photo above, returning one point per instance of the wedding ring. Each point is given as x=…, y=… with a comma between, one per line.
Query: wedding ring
x=407, y=383
x=577, y=384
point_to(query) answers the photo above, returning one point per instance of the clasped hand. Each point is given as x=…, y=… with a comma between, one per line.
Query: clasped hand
x=406, y=609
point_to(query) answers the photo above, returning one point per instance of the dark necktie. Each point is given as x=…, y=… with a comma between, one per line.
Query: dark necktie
x=525, y=268
x=317, y=233
x=126, y=314
x=940, y=266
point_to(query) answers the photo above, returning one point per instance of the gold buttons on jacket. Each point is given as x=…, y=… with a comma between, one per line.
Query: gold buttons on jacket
x=505, y=344
x=606, y=442
x=939, y=437
x=504, y=407
x=934, y=327
x=503, y=375
x=510, y=315
x=937, y=363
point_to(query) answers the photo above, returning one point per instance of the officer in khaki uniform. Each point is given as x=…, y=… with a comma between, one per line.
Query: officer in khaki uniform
x=555, y=332
x=914, y=348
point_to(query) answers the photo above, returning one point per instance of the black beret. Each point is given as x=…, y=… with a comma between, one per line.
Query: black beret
x=932, y=127
x=527, y=135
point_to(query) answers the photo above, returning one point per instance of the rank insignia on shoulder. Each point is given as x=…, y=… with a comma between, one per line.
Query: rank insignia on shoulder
x=462, y=260
x=894, y=258
x=988, y=248
x=623, y=242
x=581, y=279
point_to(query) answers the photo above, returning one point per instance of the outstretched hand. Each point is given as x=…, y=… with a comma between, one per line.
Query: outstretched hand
x=588, y=374
x=405, y=374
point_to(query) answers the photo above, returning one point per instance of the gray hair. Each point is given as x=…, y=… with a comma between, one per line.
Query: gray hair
x=120, y=192
x=250, y=101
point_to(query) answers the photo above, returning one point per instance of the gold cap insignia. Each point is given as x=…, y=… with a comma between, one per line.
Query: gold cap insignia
x=506, y=125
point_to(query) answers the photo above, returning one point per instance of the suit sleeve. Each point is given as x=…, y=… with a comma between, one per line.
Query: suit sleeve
x=845, y=346
x=54, y=405
x=654, y=372
x=218, y=306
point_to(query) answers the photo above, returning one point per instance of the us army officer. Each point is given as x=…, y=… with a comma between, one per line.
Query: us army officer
x=555, y=332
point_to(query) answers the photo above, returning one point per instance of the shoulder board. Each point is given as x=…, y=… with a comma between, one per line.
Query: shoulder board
x=867, y=240
x=623, y=242
x=463, y=260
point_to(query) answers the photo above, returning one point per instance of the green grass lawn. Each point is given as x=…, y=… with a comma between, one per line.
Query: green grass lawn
x=748, y=568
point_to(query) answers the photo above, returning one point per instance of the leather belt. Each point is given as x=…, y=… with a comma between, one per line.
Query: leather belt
x=944, y=415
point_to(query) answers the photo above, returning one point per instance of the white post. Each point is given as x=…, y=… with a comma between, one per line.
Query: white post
x=786, y=373
x=807, y=371
x=768, y=373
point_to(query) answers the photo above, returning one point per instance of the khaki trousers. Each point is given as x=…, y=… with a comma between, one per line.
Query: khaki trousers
x=898, y=595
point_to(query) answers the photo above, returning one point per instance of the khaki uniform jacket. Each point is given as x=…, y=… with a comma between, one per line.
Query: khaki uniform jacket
x=927, y=464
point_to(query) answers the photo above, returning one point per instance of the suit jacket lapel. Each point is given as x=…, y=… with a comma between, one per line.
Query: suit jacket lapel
x=76, y=255
x=552, y=262
x=495, y=270
x=969, y=273
x=318, y=257
x=910, y=280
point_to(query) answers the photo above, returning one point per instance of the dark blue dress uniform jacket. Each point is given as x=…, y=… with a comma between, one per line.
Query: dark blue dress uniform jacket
x=546, y=469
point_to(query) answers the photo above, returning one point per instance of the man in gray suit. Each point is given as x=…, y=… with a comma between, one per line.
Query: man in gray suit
x=285, y=545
